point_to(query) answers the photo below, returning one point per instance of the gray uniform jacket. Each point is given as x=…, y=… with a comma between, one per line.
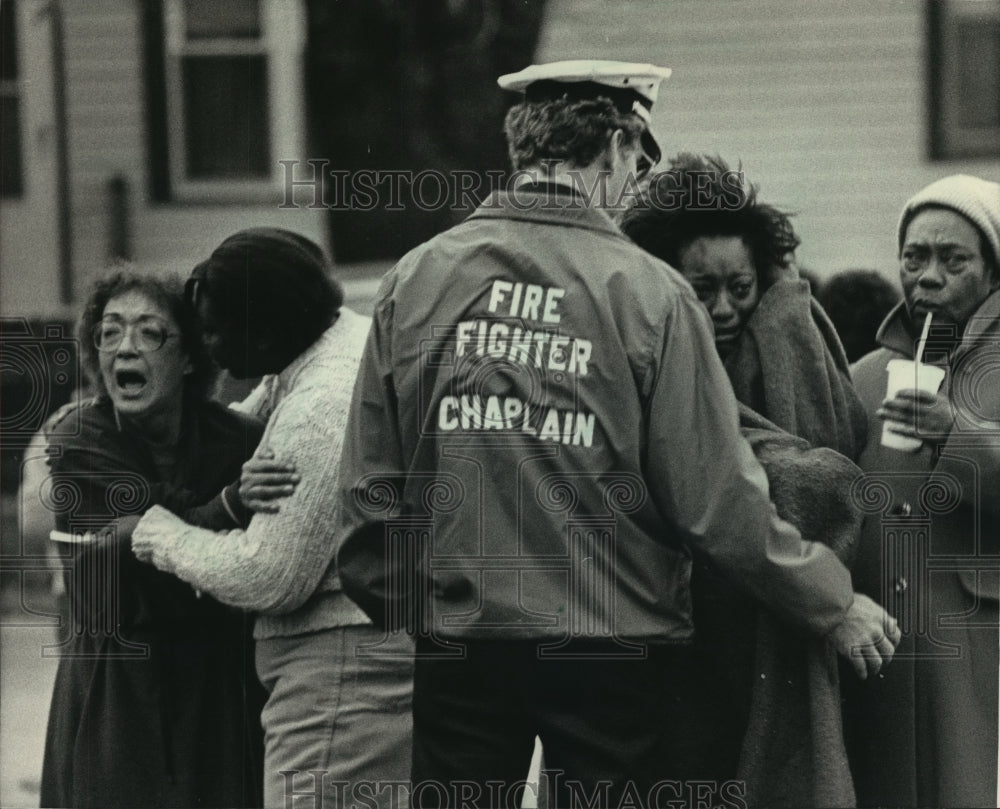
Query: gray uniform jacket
x=541, y=431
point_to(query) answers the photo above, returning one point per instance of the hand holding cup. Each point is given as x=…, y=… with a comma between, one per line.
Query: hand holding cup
x=913, y=409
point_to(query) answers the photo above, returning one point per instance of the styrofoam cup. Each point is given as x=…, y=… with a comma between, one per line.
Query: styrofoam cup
x=908, y=375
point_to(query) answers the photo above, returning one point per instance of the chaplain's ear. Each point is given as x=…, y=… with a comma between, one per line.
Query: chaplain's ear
x=618, y=144
x=614, y=153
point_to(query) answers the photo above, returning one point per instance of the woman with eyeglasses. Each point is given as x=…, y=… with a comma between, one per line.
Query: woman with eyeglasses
x=155, y=703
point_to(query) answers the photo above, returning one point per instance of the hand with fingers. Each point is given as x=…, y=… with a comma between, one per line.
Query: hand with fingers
x=919, y=414
x=265, y=480
x=867, y=636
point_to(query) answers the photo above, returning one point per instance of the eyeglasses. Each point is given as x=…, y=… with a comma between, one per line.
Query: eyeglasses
x=149, y=333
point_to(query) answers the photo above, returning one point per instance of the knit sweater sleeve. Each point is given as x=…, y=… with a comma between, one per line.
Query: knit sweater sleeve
x=277, y=563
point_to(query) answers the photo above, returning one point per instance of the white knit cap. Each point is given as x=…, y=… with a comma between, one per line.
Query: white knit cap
x=976, y=199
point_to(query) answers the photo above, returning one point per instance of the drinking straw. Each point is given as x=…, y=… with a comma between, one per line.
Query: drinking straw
x=79, y=539
x=923, y=336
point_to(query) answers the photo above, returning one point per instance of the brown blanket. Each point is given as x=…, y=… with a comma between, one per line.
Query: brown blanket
x=790, y=367
x=791, y=376
x=790, y=373
x=793, y=751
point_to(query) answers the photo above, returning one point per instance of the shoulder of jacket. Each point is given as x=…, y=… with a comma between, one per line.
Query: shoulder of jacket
x=659, y=282
x=73, y=417
x=649, y=263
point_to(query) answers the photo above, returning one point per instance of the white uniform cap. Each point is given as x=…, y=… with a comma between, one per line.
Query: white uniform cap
x=630, y=86
x=633, y=86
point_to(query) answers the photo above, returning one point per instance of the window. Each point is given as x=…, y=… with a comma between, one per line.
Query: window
x=965, y=78
x=11, y=168
x=232, y=98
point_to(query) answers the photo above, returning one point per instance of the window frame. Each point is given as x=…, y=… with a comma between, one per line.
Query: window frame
x=10, y=90
x=282, y=28
x=948, y=138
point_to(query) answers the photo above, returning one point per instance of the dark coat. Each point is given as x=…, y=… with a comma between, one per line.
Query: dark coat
x=156, y=702
x=924, y=733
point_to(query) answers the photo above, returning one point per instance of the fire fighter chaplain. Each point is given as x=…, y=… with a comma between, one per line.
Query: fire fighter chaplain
x=543, y=496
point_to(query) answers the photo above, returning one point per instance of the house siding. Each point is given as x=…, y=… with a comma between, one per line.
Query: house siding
x=823, y=103
x=108, y=139
x=106, y=122
x=29, y=281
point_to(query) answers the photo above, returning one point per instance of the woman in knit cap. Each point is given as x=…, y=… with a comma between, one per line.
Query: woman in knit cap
x=337, y=719
x=924, y=733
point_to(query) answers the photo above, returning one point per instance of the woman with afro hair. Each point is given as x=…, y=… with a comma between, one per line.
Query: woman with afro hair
x=767, y=699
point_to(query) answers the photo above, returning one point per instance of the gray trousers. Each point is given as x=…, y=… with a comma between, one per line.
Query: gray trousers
x=338, y=722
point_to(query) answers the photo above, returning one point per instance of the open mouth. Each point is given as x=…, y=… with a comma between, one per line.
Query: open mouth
x=130, y=382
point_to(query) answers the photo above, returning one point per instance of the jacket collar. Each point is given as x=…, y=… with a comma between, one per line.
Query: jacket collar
x=985, y=321
x=548, y=203
x=896, y=332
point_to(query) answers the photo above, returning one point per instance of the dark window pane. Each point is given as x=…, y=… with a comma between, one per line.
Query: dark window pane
x=979, y=70
x=11, y=183
x=226, y=116
x=8, y=41
x=206, y=19
x=964, y=52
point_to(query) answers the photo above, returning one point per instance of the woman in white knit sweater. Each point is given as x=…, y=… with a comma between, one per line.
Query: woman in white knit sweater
x=337, y=720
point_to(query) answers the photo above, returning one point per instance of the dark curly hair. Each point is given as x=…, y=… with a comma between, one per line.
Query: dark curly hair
x=166, y=290
x=563, y=130
x=857, y=301
x=701, y=196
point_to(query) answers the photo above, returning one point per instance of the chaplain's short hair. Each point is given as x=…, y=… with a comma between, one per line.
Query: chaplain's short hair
x=571, y=109
x=574, y=132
